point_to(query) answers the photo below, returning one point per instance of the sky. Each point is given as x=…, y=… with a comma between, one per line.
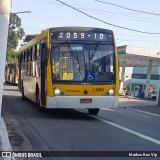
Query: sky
x=51, y=13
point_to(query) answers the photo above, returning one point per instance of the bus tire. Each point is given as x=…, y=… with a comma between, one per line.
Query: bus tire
x=23, y=97
x=93, y=111
x=40, y=108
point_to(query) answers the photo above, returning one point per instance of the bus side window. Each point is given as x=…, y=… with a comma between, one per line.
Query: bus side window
x=31, y=61
x=27, y=64
x=35, y=52
x=37, y=64
x=25, y=55
x=22, y=57
x=38, y=51
x=31, y=54
x=28, y=55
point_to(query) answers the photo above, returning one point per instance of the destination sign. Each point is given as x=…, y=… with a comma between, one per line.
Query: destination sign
x=92, y=36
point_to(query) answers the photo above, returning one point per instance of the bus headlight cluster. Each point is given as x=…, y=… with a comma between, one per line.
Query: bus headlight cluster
x=110, y=92
x=58, y=92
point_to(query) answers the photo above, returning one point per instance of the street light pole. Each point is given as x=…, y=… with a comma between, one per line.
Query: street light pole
x=22, y=12
x=5, y=6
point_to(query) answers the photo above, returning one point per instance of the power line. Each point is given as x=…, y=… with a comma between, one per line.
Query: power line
x=122, y=17
x=136, y=40
x=113, y=14
x=130, y=29
x=82, y=7
x=156, y=14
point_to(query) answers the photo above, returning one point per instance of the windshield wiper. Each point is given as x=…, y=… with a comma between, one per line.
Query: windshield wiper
x=94, y=51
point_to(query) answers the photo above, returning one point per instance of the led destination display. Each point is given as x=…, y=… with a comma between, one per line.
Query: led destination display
x=91, y=36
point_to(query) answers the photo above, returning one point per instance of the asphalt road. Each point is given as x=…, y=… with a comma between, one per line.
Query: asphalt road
x=123, y=129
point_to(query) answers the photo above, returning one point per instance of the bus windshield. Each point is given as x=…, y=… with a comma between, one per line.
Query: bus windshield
x=83, y=62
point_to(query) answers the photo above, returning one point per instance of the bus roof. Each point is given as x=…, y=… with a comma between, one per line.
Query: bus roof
x=80, y=29
x=36, y=39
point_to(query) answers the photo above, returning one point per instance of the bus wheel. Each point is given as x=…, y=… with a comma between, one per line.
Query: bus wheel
x=23, y=97
x=40, y=108
x=93, y=111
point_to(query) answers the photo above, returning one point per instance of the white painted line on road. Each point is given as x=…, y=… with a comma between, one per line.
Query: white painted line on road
x=128, y=130
x=131, y=113
x=108, y=109
x=140, y=115
x=153, y=114
x=124, y=128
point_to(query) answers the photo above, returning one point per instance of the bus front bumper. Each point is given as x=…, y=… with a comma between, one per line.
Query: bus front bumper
x=82, y=102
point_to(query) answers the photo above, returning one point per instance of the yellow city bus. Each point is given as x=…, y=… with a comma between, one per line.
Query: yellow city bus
x=11, y=72
x=70, y=67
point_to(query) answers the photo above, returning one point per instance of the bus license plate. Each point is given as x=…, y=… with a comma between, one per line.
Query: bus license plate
x=85, y=100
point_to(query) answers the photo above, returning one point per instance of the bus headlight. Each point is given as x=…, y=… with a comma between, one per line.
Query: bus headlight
x=110, y=92
x=58, y=92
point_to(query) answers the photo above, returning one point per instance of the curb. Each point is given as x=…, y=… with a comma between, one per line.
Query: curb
x=5, y=145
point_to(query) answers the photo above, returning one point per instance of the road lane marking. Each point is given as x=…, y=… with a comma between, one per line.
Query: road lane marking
x=124, y=128
x=153, y=114
x=128, y=130
x=131, y=113
x=140, y=115
x=108, y=109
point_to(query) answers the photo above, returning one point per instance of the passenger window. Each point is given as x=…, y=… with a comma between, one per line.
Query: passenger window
x=38, y=51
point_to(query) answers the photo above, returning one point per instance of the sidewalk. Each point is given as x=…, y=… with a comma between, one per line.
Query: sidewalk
x=4, y=141
x=135, y=102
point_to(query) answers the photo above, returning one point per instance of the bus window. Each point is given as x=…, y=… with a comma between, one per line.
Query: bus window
x=38, y=51
x=68, y=62
x=31, y=54
x=75, y=61
x=25, y=56
x=35, y=52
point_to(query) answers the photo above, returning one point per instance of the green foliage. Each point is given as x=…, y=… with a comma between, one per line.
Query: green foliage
x=12, y=39
x=29, y=37
x=15, y=25
x=11, y=55
x=15, y=33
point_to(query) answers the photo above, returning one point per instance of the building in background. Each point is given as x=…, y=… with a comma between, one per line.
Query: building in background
x=138, y=80
x=127, y=79
x=146, y=70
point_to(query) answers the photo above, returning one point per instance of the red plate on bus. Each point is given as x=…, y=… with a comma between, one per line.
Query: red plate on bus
x=85, y=100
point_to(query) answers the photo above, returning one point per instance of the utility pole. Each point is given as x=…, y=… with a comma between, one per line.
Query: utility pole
x=5, y=6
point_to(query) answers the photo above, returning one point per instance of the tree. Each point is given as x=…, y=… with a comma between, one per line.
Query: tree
x=28, y=38
x=11, y=55
x=15, y=34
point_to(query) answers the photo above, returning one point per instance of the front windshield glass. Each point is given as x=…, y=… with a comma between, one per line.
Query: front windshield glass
x=83, y=62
